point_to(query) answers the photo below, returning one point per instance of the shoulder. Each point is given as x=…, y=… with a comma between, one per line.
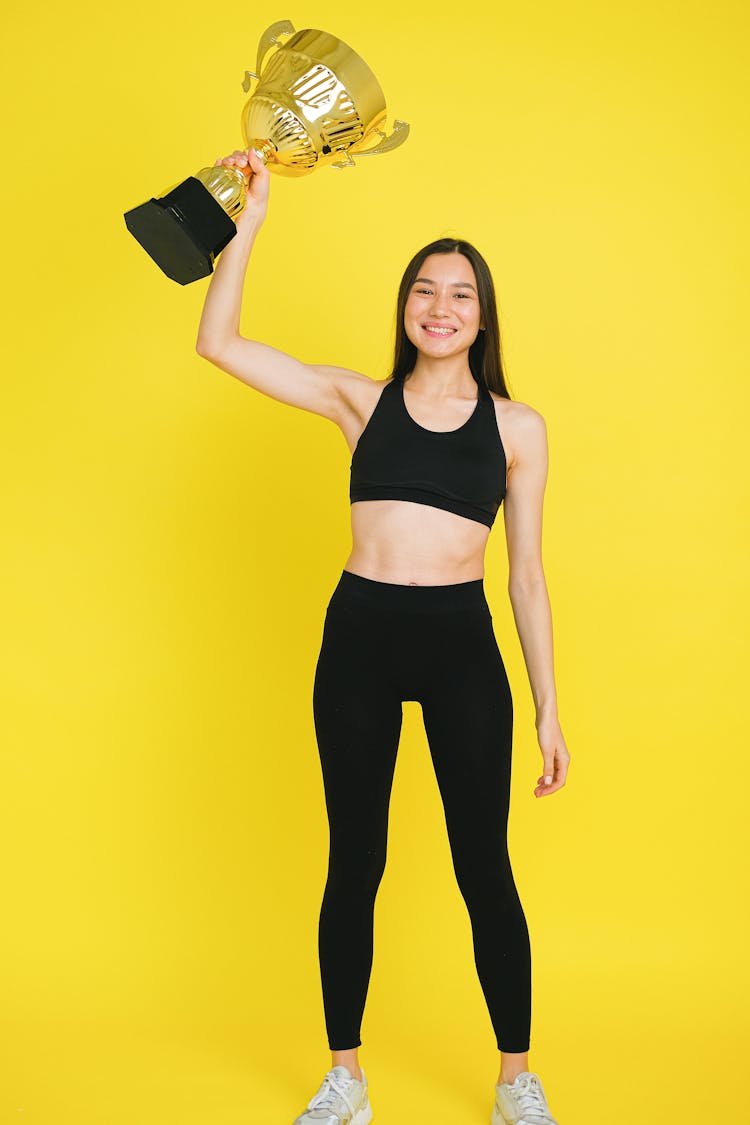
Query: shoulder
x=523, y=429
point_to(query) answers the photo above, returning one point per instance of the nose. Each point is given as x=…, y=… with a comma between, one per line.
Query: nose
x=437, y=306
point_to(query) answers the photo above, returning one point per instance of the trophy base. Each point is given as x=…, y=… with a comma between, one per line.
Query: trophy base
x=183, y=231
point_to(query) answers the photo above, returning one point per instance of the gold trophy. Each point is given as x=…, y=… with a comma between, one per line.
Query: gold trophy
x=316, y=103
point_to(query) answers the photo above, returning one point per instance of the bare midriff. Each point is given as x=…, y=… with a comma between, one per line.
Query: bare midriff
x=415, y=544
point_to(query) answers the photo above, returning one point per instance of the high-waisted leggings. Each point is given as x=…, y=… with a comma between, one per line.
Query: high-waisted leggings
x=385, y=643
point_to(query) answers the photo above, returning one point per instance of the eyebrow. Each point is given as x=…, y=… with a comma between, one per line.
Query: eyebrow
x=456, y=284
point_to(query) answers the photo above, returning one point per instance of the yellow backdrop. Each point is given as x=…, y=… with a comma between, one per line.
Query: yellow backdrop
x=171, y=539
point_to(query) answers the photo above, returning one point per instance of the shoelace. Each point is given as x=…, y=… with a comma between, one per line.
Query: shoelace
x=326, y=1096
x=531, y=1101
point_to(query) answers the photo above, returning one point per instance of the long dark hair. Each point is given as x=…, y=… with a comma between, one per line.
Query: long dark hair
x=485, y=354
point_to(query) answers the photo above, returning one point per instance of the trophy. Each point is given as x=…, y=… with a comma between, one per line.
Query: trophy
x=316, y=103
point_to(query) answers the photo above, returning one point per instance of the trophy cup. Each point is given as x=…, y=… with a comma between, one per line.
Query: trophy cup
x=316, y=103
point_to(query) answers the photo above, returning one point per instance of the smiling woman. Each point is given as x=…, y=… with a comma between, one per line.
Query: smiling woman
x=447, y=294
x=437, y=448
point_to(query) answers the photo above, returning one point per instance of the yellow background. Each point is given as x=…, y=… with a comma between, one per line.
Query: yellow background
x=171, y=539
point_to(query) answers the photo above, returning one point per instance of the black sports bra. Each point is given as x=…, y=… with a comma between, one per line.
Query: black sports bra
x=461, y=471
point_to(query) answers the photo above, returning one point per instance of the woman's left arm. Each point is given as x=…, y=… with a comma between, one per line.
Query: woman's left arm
x=524, y=498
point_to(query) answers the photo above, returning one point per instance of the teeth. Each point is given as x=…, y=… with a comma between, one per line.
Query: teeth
x=440, y=331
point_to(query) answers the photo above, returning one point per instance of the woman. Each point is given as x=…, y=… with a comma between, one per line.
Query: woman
x=436, y=449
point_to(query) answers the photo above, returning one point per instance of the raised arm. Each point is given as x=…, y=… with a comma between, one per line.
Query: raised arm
x=321, y=389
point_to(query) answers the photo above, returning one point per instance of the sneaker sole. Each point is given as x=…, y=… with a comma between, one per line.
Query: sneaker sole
x=362, y=1116
x=497, y=1117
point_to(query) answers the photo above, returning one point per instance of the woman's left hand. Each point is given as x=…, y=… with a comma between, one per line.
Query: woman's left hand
x=555, y=754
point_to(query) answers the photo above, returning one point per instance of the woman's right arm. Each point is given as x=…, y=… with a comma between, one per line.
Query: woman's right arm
x=321, y=389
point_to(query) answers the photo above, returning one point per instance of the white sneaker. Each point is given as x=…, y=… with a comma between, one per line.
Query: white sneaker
x=521, y=1102
x=340, y=1100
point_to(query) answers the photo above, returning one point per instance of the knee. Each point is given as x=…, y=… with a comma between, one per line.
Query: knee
x=355, y=872
x=485, y=877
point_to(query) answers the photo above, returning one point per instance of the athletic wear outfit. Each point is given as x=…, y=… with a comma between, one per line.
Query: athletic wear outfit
x=461, y=471
x=384, y=643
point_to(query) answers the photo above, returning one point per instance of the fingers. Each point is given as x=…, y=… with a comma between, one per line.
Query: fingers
x=241, y=159
x=260, y=172
x=254, y=170
x=553, y=778
x=549, y=768
x=237, y=159
x=543, y=787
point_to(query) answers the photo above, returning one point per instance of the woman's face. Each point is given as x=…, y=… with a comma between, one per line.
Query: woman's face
x=442, y=314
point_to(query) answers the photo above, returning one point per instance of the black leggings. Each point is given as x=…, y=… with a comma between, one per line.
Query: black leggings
x=384, y=643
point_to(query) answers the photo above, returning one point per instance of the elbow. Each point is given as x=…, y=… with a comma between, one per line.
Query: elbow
x=526, y=582
x=214, y=348
x=207, y=349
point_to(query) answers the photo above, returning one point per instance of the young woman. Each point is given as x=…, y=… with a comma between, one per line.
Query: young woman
x=436, y=449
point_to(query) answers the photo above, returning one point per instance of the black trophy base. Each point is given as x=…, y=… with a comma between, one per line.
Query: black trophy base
x=183, y=231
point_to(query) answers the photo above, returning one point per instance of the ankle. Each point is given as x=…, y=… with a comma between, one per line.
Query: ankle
x=509, y=1076
x=351, y=1064
x=512, y=1063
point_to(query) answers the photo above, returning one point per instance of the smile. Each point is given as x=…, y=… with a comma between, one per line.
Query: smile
x=438, y=331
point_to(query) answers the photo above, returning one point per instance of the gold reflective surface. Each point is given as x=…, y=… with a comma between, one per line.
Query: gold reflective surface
x=315, y=103
x=227, y=186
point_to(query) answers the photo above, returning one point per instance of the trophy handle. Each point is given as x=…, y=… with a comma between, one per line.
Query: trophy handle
x=270, y=37
x=397, y=137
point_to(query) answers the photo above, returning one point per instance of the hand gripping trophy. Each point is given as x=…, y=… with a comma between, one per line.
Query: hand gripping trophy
x=316, y=103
